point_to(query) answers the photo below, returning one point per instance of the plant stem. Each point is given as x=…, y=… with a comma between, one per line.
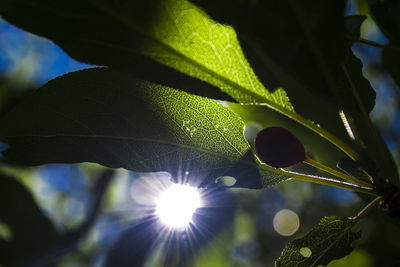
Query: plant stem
x=329, y=182
x=344, y=176
x=370, y=206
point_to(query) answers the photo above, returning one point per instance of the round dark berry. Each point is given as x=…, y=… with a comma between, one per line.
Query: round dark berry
x=279, y=148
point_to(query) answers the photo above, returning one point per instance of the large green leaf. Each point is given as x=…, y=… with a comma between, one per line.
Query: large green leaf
x=331, y=239
x=117, y=120
x=173, y=32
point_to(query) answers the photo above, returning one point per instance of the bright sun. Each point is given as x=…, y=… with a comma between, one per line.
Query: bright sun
x=176, y=205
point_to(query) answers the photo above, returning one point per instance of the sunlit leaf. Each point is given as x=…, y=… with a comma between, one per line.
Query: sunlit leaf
x=331, y=239
x=117, y=120
x=172, y=32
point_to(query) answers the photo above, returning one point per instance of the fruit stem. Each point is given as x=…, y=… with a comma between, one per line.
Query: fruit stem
x=329, y=182
x=370, y=206
x=342, y=175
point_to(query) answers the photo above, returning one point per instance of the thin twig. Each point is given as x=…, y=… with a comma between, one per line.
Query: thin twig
x=370, y=206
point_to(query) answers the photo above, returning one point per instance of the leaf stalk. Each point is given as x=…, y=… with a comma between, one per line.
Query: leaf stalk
x=339, y=174
x=330, y=182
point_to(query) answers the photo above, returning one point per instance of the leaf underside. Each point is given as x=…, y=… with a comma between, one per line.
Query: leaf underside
x=117, y=120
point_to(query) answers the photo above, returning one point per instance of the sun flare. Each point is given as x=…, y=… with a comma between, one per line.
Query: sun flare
x=177, y=204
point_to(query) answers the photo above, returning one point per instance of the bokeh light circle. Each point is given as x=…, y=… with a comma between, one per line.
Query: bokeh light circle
x=286, y=222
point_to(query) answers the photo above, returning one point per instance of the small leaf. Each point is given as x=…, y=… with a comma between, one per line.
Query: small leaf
x=331, y=239
x=117, y=120
x=279, y=148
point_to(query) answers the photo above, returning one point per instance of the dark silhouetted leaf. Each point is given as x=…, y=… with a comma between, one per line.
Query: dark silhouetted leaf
x=114, y=119
x=390, y=61
x=331, y=239
x=352, y=24
x=386, y=14
x=32, y=232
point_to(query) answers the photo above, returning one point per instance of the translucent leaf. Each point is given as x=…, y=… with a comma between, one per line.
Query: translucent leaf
x=114, y=119
x=173, y=32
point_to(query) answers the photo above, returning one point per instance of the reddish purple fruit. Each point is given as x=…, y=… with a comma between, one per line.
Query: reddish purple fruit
x=279, y=148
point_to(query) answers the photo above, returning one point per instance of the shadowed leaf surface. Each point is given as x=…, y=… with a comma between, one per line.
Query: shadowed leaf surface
x=117, y=120
x=331, y=239
x=353, y=23
x=386, y=14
